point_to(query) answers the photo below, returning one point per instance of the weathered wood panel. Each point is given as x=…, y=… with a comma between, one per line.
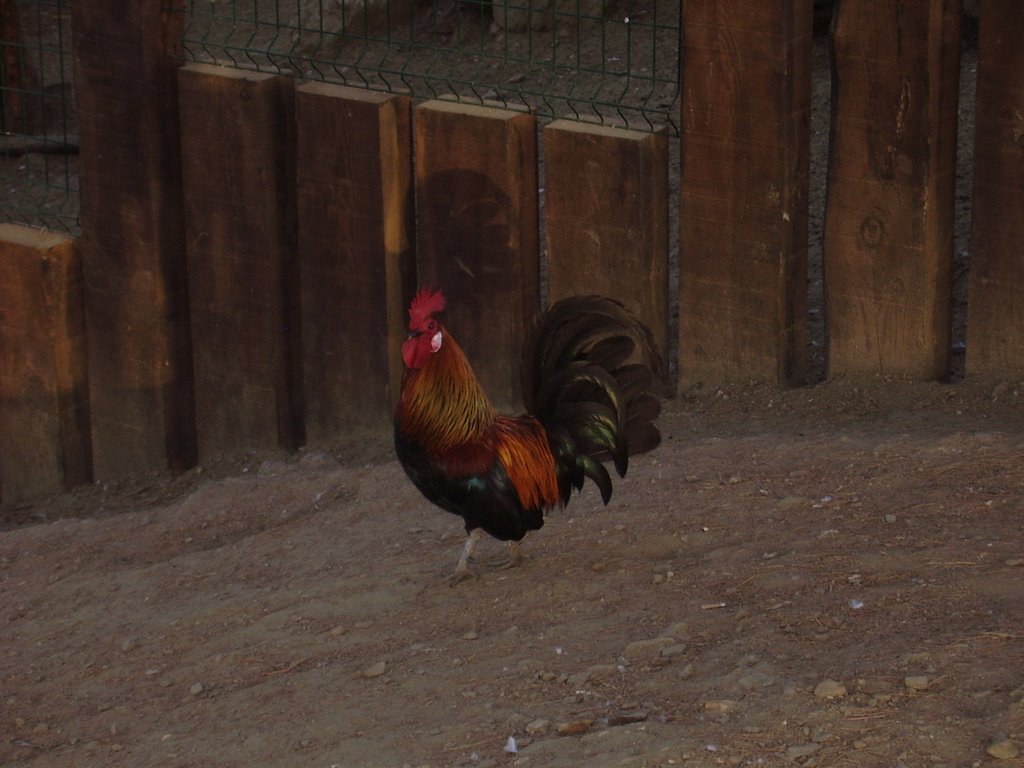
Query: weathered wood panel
x=889, y=220
x=995, y=328
x=44, y=397
x=476, y=231
x=133, y=236
x=238, y=147
x=743, y=200
x=355, y=236
x=607, y=217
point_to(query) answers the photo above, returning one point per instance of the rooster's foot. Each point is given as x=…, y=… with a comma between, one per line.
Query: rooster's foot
x=515, y=557
x=462, y=571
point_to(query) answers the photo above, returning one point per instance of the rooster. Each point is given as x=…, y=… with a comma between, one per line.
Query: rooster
x=588, y=369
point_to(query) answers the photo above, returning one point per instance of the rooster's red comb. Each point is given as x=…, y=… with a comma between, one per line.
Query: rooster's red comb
x=424, y=304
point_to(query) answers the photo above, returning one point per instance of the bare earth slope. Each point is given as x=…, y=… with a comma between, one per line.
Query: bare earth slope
x=828, y=576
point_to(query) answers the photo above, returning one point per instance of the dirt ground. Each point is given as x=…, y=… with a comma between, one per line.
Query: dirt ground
x=826, y=576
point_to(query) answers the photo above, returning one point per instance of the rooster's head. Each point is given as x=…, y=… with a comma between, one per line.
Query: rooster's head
x=425, y=332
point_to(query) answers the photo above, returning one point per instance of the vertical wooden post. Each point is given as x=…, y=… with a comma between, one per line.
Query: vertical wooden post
x=355, y=232
x=476, y=231
x=607, y=217
x=44, y=398
x=995, y=328
x=238, y=146
x=743, y=201
x=889, y=220
x=133, y=242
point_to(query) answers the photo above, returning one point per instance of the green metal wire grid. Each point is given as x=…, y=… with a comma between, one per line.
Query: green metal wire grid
x=38, y=126
x=609, y=61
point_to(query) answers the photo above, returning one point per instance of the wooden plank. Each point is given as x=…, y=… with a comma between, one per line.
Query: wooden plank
x=133, y=243
x=355, y=236
x=476, y=231
x=607, y=217
x=743, y=197
x=44, y=393
x=889, y=219
x=238, y=170
x=995, y=328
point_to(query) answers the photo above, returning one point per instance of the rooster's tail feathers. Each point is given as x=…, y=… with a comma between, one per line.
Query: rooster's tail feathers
x=588, y=370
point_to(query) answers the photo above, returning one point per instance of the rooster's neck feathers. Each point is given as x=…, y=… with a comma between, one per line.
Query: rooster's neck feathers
x=443, y=404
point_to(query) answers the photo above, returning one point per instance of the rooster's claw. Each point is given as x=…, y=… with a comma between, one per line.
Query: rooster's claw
x=462, y=573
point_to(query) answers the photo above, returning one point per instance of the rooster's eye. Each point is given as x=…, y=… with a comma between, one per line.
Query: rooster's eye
x=432, y=326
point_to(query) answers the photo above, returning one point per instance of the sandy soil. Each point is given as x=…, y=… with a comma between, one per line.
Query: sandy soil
x=826, y=576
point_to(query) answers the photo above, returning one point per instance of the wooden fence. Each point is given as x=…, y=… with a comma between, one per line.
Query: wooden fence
x=249, y=243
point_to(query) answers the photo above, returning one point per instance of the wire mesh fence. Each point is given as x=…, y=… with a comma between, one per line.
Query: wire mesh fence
x=38, y=124
x=609, y=61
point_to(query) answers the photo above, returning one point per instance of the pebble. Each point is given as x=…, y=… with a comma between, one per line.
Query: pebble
x=645, y=649
x=1003, y=749
x=829, y=689
x=579, y=679
x=376, y=670
x=600, y=670
x=575, y=727
x=802, y=750
x=196, y=689
x=471, y=635
x=538, y=727
x=129, y=644
x=1013, y=562
x=628, y=718
x=756, y=679
x=720, y=706
x=917, y=682
x=793, y=502
x=671, y=651
x=890, y=518
x=680, y=631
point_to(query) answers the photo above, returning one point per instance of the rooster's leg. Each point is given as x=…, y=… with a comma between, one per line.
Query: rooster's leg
x=462, y=570
x=515, y=556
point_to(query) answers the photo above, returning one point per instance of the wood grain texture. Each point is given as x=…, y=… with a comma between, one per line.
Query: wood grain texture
x=743, y=200
x=356, y=253
x=477, y=231
x=44, y=393
x=995, y=328
x=607, y=217
x=889, y=218
x=133, y=236
x=238, y=170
